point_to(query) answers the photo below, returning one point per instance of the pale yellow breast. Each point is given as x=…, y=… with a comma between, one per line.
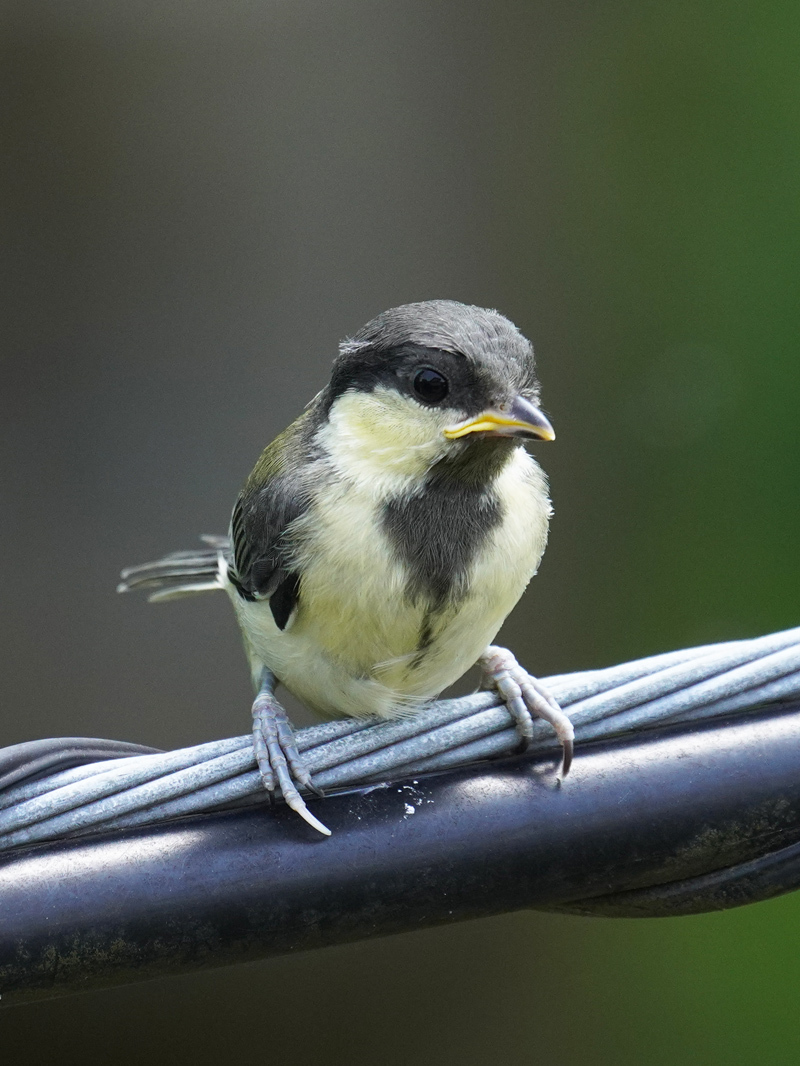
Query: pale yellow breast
x=353, y=645
x=354, y=605
x=353, y=588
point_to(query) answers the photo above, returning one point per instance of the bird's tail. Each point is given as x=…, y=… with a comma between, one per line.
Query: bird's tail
x=181, y=573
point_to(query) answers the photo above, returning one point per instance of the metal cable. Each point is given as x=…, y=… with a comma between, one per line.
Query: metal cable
x=685, y=686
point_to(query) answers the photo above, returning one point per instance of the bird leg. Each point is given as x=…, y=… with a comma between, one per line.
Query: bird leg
x=279, y=761
x=525, y=698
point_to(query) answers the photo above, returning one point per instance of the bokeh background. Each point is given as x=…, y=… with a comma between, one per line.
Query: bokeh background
x=199, y=201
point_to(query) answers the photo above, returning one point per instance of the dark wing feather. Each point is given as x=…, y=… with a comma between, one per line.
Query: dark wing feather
x=276, y=493
x=284, y=599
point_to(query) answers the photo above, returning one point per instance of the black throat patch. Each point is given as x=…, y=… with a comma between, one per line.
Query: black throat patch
x=437, y=532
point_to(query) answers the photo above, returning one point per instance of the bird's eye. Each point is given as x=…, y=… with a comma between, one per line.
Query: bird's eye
x=430, y=386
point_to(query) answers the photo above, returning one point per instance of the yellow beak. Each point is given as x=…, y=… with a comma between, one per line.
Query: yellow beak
x=521, y=419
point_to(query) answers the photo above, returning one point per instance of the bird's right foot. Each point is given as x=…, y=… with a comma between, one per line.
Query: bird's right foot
x=279, y=761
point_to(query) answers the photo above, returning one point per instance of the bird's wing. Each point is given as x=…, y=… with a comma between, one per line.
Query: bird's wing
x=276, y=493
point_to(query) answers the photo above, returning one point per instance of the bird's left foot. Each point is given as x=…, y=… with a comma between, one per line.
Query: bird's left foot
x=526, y=699
x=279, y=761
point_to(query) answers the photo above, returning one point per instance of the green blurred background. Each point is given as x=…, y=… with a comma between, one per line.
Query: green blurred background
x=199, y=201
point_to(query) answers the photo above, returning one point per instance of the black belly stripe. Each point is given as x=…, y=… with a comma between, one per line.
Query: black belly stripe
x=425, y=640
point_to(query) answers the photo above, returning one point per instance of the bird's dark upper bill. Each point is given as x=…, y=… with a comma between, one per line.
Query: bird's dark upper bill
x=520, y=419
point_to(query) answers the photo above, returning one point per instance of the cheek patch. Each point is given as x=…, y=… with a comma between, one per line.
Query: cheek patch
x=384, y=438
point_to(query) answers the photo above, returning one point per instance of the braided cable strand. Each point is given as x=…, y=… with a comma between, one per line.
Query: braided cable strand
x=692, y=685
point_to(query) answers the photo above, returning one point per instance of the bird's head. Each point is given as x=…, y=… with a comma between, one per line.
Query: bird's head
x=426, y=383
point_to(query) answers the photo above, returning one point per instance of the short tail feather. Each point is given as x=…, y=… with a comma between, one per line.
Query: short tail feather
x=181, y=573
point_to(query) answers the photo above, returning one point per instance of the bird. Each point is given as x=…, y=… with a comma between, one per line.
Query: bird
x=383, y=537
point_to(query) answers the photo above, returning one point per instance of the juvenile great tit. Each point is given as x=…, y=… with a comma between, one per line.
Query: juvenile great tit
x=381, y=540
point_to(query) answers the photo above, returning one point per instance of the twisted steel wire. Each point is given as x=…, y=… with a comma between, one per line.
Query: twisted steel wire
x=687, y=686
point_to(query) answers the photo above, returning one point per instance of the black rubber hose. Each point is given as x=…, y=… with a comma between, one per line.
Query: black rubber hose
x=670, y=822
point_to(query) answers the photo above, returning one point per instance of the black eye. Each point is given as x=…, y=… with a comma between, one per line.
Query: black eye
x=431, y=386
